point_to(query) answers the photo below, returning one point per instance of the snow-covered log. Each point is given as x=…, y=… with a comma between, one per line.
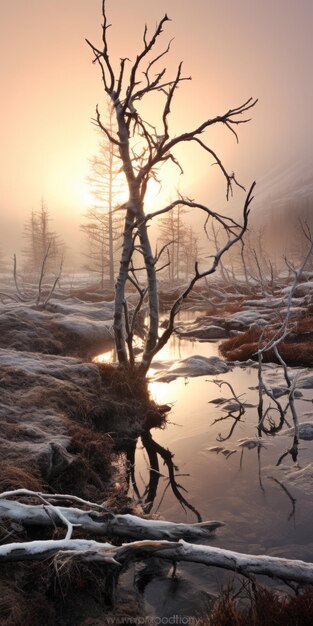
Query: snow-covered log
x=244, y=564
x=38, y=550
x=103, y=523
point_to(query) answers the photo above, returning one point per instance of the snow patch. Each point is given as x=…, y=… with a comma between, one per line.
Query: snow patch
x=196, y=365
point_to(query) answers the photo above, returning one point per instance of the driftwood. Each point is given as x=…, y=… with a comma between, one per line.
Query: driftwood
x=98, y=521
x=244, y=564
x=103, y=523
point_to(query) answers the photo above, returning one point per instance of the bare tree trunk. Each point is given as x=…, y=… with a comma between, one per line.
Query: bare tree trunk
x=118, y=321
x=152, y=289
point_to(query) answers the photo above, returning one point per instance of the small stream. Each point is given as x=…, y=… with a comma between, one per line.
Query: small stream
x=242, y=487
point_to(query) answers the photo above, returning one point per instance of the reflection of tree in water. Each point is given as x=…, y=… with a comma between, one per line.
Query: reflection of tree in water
x=293, y=500
x=268, y=412
x=155, y=452
x=266, y=425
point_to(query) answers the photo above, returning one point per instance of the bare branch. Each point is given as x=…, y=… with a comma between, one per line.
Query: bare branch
x=109, y=135
x=283, y=330
x=162, y=340
x=147, y=47
x=121, y=75
x=230, y=178
x=227, y=222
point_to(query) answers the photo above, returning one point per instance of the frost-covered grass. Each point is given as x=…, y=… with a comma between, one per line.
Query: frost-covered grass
x=70, y=327
x=59, y=420
x=46, y=433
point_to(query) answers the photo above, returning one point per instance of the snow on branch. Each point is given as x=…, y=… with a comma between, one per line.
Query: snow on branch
x=243, y=564
x=102, y=523
x=153, y=540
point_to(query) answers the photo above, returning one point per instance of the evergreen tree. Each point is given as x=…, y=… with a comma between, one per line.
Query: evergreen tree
x=103, y=227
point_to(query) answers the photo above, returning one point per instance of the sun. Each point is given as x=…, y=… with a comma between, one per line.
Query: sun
x=82, y=195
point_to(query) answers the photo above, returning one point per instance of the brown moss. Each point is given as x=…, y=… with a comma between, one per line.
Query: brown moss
x=296, y=350
x=241, y=347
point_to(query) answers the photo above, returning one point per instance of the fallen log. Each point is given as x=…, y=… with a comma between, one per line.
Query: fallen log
x=38, y=550
x=104, y=523
x=240, y=563
x=245, y=564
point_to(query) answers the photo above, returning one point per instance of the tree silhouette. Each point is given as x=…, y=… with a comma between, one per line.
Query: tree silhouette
x=41, y=243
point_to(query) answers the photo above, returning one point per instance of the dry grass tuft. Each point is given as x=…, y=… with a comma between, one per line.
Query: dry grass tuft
x=298, y=353
x=20, y=473
x=127, y=384
x=23, y=599
x=260, y=606
x=221, y=311
x=93, y=293
x=304, y=325
x=128, y=409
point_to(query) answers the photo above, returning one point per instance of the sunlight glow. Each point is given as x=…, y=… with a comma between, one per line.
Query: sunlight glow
x=85, y=195
x=106, y=357
x=152, y=194
x=160, y=392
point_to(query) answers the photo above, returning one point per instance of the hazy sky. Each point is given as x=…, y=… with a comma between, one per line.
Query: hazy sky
x=233, y=50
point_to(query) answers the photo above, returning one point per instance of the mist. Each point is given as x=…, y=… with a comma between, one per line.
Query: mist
x=50, y=89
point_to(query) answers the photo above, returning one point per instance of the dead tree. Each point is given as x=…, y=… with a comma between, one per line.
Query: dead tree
x=143, y=148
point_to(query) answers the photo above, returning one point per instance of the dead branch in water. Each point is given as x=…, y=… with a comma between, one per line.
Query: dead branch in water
x=108, y=554
x=154, y=531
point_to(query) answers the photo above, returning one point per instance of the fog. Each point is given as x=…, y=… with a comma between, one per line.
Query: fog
x=50, y=89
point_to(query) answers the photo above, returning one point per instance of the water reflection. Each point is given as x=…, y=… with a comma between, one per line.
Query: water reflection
x=292, y=514
x=175, y=350
x=156, y=452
